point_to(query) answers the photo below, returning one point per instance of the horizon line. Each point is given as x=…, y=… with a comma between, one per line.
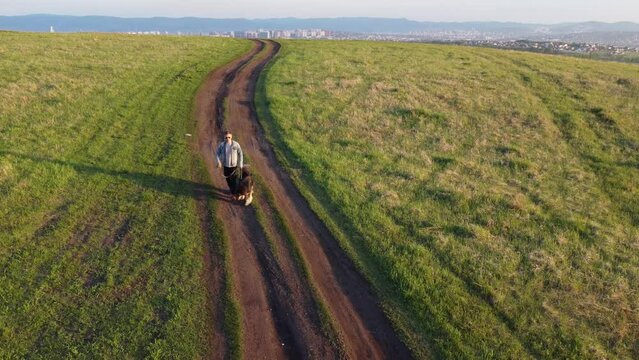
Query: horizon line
x=328, y=17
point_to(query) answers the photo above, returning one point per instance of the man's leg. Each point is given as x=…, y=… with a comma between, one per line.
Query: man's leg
x=236, y=183
x=229, y=182
x=230, y=179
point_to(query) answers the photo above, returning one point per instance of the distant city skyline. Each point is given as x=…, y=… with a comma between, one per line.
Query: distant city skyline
x=543, y=11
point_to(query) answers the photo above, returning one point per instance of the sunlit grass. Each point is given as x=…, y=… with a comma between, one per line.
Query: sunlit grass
x=491, y=196
x=100, y=245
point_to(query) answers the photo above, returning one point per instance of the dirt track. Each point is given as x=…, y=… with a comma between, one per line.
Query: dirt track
x=280, y=304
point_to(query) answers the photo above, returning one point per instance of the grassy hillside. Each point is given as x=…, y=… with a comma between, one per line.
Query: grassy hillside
x=492, y=197
x=100, y=245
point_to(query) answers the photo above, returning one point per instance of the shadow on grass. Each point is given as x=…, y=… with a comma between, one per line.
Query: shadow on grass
x=162, y=183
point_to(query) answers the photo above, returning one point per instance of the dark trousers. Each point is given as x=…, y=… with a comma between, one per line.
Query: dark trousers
x=232, y=178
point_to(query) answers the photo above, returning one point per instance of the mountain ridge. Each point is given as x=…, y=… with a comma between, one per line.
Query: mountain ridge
x=98, y=23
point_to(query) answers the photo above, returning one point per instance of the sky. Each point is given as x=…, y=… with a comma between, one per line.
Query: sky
x=536, y=11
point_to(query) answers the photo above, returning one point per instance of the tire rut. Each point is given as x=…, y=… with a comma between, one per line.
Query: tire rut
x=281, y=302
x=214, y=273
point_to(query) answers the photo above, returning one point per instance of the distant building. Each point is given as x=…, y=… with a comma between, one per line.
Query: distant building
x=264, y=34
x=283, y=34
x=51, y=30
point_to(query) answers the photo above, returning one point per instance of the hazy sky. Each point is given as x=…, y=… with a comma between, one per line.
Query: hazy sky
x=540, y=11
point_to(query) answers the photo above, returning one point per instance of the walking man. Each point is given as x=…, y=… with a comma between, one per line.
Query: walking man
x=229, y=154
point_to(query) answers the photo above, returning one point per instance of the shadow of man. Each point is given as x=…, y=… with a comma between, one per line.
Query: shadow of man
x=162, y=183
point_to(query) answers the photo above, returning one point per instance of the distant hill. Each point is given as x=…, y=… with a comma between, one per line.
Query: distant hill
x=621, y=33
x=65, y=23
x=620, y=38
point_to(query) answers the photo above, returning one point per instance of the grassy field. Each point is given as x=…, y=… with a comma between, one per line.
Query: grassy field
x=492, y=197
x=629, y=58
x=100, y=245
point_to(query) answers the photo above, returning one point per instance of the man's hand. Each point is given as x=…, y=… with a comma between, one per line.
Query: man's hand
x=219, y=165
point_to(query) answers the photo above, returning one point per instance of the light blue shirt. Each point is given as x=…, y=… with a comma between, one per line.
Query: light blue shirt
x=230, y=155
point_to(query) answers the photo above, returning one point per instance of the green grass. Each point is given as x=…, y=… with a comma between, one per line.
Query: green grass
x=491, y=197
x=630, y=57
x=100, y=244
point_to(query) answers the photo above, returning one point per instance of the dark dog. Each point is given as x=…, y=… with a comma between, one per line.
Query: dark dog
x=245, y=187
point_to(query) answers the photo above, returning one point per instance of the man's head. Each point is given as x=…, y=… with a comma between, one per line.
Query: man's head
x=228, y=137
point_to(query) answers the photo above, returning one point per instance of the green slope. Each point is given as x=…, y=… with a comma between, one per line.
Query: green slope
x=492, y=197
x=100, y=245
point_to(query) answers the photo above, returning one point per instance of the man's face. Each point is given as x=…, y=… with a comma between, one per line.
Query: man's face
x=228, y=138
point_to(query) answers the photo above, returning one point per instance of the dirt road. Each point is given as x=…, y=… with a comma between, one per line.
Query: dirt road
x=300, y=295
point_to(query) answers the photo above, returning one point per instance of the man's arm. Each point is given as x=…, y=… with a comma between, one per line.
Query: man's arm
x=240, y=156
x=218, y=153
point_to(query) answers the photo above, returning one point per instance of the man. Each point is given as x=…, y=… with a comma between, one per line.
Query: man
x=229, y=154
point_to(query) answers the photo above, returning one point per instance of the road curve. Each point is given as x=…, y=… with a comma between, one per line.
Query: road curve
x=281, y=303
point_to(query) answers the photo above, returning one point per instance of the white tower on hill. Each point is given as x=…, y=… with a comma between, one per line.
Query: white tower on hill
x=51, y=30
